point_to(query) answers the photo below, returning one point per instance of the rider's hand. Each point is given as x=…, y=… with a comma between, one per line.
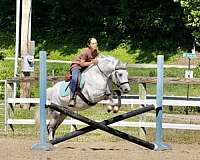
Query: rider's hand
x=95, y=61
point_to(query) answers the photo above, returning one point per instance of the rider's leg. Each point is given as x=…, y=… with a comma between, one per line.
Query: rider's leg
x=73, y=85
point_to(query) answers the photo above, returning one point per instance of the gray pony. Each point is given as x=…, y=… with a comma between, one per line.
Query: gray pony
x=96, y=85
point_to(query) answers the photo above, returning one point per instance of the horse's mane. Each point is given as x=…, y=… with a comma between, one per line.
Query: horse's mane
x=104, y=59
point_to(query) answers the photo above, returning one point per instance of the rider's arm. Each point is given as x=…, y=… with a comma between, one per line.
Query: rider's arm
x=83, y=63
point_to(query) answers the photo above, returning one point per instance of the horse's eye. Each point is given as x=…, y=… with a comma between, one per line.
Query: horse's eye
x=120, y=74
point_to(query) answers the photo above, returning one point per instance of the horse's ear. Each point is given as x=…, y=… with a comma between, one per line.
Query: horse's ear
x=119, y=64
x=125, y=65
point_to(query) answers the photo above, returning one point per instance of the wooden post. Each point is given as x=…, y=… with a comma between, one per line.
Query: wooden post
x=25, y=46
x=142, y=96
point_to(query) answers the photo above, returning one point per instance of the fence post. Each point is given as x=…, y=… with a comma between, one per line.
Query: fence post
x=42, y=145
x=6, y=106
x=142, y=96
x=159, y=102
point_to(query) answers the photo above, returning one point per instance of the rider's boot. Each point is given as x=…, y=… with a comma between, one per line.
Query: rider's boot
x=72, y=101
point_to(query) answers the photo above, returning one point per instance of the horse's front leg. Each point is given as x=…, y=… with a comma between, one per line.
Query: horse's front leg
x=57, y=119
x=112, y=106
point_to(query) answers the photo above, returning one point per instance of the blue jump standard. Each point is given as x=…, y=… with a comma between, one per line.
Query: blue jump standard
x=43, y=144
x=159, y=102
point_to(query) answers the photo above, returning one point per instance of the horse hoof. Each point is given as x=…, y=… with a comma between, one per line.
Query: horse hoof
x=115, y=109
x=109, y=109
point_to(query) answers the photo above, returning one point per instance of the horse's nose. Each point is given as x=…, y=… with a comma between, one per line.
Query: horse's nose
x=125, y=90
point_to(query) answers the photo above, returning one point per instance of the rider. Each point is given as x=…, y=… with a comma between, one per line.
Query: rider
x=85, y=59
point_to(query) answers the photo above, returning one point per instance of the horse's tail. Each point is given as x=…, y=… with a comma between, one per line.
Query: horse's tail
x=36, y=116
x=49, y=93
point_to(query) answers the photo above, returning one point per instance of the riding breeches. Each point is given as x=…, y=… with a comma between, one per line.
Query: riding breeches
x=73, y=84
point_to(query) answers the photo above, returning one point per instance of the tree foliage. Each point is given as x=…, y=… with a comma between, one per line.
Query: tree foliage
x=192, y=17
x=151, y=26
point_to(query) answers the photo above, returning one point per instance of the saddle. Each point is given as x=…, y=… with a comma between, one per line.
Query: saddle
x=64, y=87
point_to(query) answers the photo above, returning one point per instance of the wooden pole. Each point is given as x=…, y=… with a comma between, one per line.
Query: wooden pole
x=25, y=47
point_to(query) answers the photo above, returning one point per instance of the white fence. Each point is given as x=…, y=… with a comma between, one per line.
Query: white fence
x=177, y=101
x=129, y=65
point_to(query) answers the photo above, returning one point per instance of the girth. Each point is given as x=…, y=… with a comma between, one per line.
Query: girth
x=80, y=94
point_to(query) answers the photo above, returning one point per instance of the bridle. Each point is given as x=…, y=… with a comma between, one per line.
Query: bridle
x=117, y=83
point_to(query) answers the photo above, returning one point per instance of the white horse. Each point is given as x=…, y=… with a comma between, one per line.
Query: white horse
x=96, y=85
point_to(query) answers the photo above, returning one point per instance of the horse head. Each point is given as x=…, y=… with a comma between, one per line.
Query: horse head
x=120, y=76
x=113, y=67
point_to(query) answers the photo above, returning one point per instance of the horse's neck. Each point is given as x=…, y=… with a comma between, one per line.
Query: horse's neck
x=96, y=84
x=96, y=77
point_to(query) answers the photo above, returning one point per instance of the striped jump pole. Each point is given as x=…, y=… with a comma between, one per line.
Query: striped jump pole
x=43, y=144
x=103, y=125
x=159, y=102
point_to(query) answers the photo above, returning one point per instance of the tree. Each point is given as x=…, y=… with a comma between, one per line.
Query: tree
x=192, y=17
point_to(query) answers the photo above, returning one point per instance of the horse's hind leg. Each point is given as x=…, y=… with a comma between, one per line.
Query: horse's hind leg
x=57, y=119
